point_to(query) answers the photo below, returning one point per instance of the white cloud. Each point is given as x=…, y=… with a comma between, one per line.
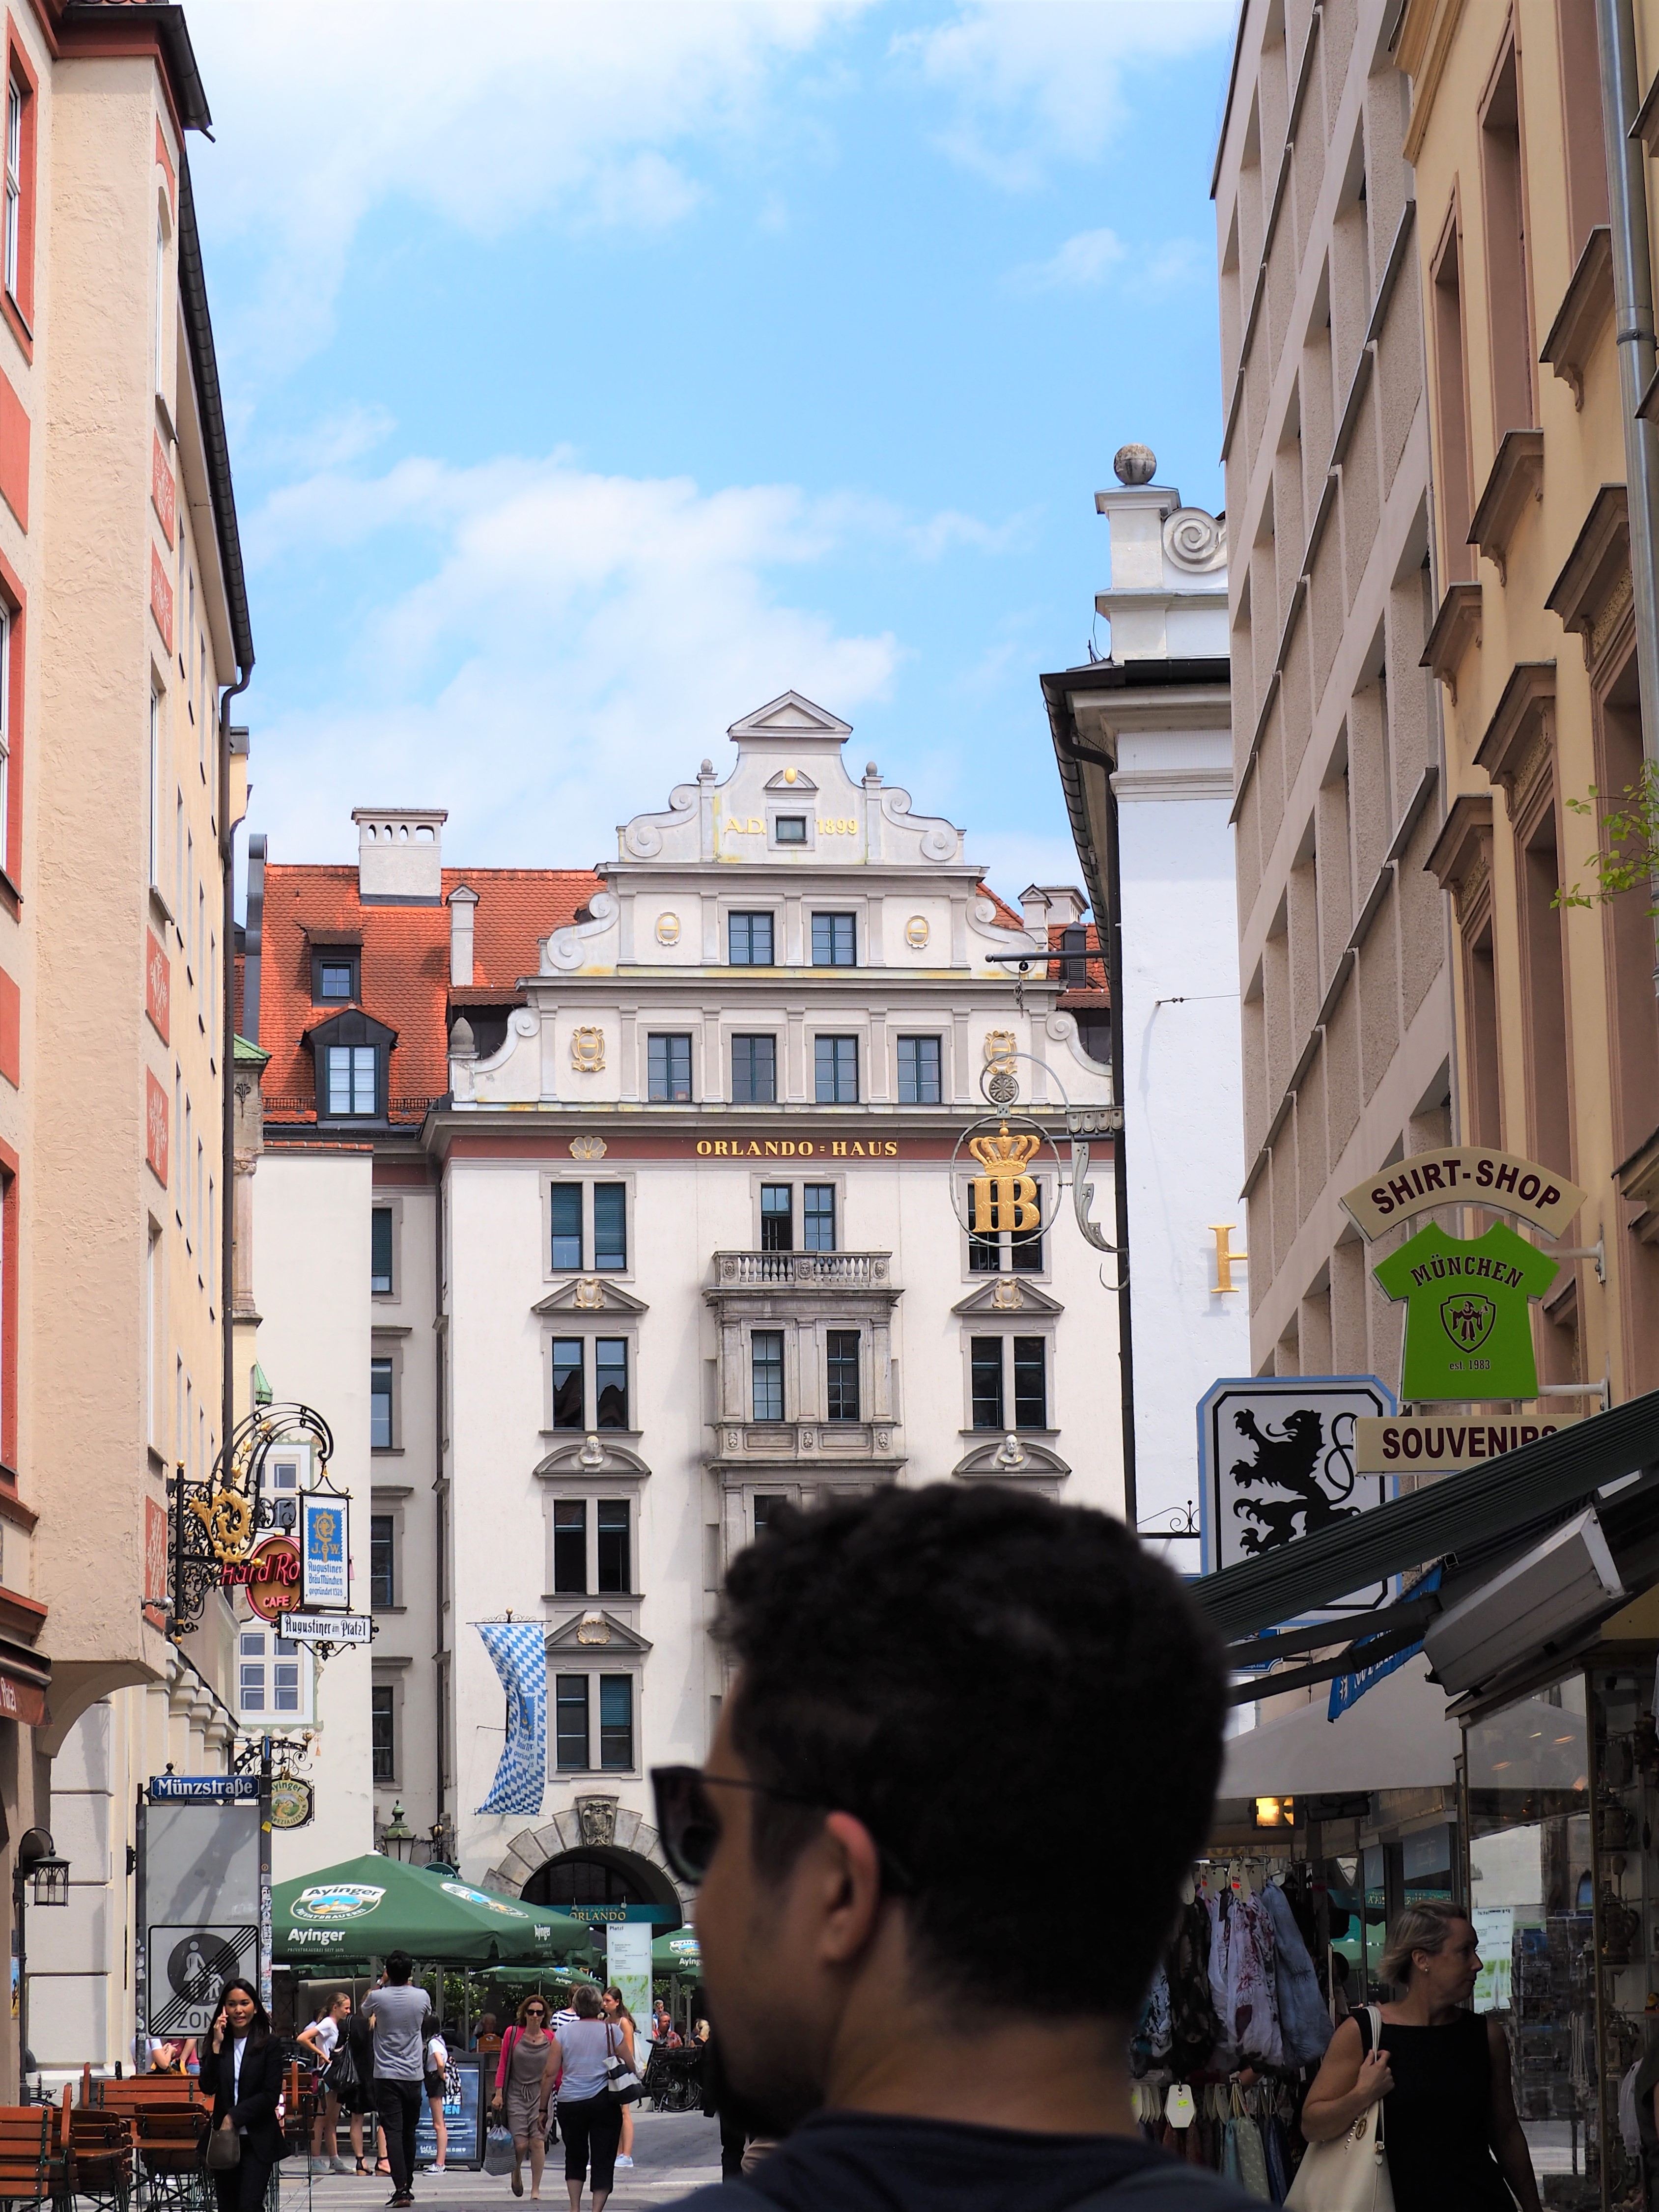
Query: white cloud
x=1085, y=262
x=482, y=118
x=574, y=646
x=1031, y=79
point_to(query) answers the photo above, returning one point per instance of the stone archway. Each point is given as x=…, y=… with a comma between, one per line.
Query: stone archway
x=599, y=1827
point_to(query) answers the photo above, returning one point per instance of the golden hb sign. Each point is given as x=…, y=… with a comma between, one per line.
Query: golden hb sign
x=1005, y=1196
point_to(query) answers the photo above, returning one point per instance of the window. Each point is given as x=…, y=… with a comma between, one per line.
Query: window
x=749, y=940
x=841, y=1361
x=985, y=1380
x=1505, y=235
x=380, y=1263
x=566, y=1202
x=1094, y=1032
x=353, y=1079
x=984, y=1254
x=570, y=1720
x=1025, y=1245
x=669, y=1069
x=613, y=1553
x=986, y=1359
x=160, y=299
x=568, y=1382
x=570, y=1546
x=835, y=941
x=155, y=781
x=609, y=1227
x=335, y=982
x=14, y=179
x=835, y=1069
x=1452, y=404
x=1074, y=950
x=1030, y=1383
x=382, y=1721
x=766, y=1504
x=380, y=1405
x=766, y=1374
x=5, y=760
x=919, y=1070
x=818, y=1217
x=616, y=1721
x=611, y=1382
x=989, y=1251
x=777, y=1216
x=1581, y=117
x=789, y=829
x=754, y=1071
x=382, y=1580
x=269, y=1677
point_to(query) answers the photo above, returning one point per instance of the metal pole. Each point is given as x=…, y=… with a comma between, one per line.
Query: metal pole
x=1633, y=299
x=264, y=1872
x=17, y=1913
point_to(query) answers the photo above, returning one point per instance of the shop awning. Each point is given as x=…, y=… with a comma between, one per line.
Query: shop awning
x=1397, y=1736
x=1498, y=1502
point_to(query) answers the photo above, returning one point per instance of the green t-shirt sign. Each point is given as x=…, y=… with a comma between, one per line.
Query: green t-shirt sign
x=1468, y=1333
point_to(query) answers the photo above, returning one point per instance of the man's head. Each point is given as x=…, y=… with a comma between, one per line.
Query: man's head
x=399, y=1967
x=585, y=2002
x=949, y=1704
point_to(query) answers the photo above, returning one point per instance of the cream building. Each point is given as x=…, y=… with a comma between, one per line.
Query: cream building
x=123, y=622
x=689, y=1215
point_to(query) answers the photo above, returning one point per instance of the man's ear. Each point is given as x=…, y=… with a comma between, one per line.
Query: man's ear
x=850, y=1897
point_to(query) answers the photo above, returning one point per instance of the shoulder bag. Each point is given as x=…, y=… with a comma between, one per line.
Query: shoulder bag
x=620, y=2080
x=1352, y=2173
x=224, y=2148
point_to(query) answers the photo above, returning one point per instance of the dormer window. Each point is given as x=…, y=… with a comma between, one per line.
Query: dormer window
x=334, y=972
x=354, y=1079
x=352, y=1054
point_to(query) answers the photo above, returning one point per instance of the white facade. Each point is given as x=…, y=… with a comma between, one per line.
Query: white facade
x=1159, y=718
x=752, y=1373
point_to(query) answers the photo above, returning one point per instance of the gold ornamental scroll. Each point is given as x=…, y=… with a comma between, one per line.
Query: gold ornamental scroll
x=1462, y=1175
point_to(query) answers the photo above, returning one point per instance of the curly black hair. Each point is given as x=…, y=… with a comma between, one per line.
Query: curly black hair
x=1021, y=1703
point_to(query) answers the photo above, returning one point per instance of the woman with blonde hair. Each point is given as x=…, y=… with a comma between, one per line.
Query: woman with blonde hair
x=1454, y=2142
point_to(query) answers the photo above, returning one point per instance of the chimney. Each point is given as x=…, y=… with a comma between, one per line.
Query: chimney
x=1066, y=903
x=1034, y=907
x=462, y=903
x=400, y=855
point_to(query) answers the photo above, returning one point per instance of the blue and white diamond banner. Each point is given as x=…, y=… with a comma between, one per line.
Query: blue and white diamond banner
x=520, y=1657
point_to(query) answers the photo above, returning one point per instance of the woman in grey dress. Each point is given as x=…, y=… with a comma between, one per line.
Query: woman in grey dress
x=525, y=2050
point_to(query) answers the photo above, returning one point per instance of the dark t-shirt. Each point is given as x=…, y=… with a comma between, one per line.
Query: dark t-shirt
x=876, y=2162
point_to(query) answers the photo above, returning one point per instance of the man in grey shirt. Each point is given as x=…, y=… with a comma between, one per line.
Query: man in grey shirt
x=401, y=2018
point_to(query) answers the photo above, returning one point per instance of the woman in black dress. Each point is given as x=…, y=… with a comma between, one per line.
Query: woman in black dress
x=242, y=2073
x=1449, y=2124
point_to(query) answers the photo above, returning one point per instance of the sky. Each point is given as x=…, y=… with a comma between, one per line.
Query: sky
x=594, y=380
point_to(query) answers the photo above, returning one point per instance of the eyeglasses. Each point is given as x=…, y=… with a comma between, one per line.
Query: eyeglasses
x=690, y=1828
x=535, y=2012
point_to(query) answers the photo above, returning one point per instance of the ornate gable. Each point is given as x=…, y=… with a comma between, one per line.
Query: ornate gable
x=1002, y=1295
x=595, y=1631
x=589, y=1294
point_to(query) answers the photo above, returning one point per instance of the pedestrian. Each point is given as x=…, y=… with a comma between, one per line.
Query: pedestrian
x=437, y=2084
x=401, y=2017
x=1453, y=2140
x=322, y=2038
x=357, y=2099
x=242, y=2075
x=590, y=2118
x=488, y=2037
x=665, y=2036
x=526, y=2051
x=619, y=2016
x=914, y=1673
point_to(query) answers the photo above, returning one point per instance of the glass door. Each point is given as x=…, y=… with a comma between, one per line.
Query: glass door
x=1627, y=1776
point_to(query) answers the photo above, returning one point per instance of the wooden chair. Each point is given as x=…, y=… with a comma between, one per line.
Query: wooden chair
x=98, y=2148
x=31, y=2171
x=169, y=2142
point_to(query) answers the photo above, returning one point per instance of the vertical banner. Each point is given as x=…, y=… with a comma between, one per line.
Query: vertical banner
x=628, y=1962
x=325, y=1585
x=518, y=1654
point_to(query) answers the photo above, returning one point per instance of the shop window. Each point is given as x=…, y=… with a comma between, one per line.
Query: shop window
x=382, y=1560
x=766, y=1374
x=919, y=1079
x=777, y=1211
x=668, y=1069
x=749, y=940
x=841, y=1375
x=754, y=1071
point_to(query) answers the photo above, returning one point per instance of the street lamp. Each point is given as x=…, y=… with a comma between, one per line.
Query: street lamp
x=37, y=1860
x=398, y=1838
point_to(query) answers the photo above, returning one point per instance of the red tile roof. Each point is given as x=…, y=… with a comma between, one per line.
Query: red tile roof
x=404, y=974
x=1095, y=992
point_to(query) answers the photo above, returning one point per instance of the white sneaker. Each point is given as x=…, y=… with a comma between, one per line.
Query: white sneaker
x=621, y=2160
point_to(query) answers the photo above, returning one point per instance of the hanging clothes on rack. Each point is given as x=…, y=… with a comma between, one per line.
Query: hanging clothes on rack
x=1252, y=2004
x=1217, y=1906
x=1194, y=2029
x=1304, y=2023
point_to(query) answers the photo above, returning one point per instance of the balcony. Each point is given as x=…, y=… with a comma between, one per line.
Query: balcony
x=839, y=1270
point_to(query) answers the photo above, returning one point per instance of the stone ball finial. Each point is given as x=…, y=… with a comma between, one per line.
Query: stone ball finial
x=1134, y=465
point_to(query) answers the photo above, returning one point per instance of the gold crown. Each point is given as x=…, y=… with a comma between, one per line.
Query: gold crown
x=1003, y=1155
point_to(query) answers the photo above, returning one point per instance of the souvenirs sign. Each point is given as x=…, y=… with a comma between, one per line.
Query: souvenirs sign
x=1401, y=1447
x=1468, y=1174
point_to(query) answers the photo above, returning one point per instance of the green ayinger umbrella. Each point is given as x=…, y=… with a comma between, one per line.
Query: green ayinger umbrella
x=364, y=1908
x=677, y=1952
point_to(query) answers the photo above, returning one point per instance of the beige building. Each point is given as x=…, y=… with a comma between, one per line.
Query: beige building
x=1535, y=642
x=1347, y=1022
x=122, y=619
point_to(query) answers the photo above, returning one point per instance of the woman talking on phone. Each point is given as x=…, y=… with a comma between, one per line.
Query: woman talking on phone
x=242, y=2073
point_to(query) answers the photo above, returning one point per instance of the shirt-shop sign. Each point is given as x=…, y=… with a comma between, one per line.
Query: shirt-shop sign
x=1468, y=1174
x=798, y=1148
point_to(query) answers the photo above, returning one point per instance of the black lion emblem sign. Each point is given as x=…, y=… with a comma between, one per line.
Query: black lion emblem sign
x=1293, y=1459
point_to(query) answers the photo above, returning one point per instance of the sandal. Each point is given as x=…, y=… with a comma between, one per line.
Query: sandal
x=362, y=2168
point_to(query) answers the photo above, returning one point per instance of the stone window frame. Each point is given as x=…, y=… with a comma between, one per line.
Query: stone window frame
x=624, y=1662
x=1046, y=1325
x=587, y=1174
x=386, y=1202
x=608, y=1321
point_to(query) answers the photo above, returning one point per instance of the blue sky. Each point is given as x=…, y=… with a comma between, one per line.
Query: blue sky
x=589, y=390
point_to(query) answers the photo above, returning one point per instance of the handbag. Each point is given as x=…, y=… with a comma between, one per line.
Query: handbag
x=622, y=2082
x=224, y=2148
x=1352, y=2173
x=340, y=2071
x=498, y=2152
